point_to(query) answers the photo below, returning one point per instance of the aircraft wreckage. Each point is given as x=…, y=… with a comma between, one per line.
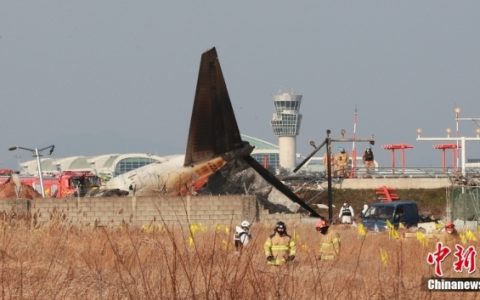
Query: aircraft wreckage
x=217, y=160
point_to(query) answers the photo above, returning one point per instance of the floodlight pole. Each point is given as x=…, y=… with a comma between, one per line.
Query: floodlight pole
x=329, y=166
x=329, y=177
x=36, y=153
x=328, y=142
x=456, y=109
x=40, y=173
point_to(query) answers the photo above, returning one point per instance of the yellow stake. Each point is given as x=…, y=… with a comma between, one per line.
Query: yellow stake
x=361, y=230
x=384, y=257
x=422, y=238
x=391, y=231
x=463, y=238
x=470, y=236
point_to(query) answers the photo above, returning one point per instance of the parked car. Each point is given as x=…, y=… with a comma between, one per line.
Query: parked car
x=399, y=211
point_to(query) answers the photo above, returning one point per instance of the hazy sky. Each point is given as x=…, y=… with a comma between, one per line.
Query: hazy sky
x=103, y=76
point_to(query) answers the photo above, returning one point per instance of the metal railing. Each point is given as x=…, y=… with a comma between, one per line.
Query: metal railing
x=412, y=172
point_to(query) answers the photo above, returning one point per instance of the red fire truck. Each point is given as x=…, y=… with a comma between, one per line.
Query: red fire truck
x=67, y=184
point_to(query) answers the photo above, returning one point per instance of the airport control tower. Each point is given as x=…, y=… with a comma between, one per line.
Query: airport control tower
x=286, y=124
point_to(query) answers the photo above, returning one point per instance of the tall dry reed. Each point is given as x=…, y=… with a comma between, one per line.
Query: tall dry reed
x=57, y=260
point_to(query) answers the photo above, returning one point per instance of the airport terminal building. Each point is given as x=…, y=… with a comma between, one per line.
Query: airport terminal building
x=107, y=166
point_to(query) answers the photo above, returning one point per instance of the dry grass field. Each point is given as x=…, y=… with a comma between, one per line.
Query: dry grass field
x=57, y=261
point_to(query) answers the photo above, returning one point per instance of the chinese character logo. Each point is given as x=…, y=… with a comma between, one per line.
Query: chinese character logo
x=465, y=259
x=436, y=258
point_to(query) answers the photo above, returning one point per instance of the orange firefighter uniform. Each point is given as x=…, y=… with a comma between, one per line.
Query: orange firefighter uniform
x=341, y=162
x=330, y=242
x=450, y=236
x=280, y=247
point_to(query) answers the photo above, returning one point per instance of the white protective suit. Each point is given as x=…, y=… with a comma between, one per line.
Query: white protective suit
x=346, y=214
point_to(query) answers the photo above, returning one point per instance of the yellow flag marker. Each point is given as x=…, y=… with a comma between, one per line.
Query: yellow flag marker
x=470, y=236
x=384, y=257
x=439, y=226
x=296, y=237
x=422, y=238
x=463, y=238
x=224, y=245
x=194, y=228
x=392, y=232
x=361, y=230
x=389, y=225
x=152, y=228
x=222, y=227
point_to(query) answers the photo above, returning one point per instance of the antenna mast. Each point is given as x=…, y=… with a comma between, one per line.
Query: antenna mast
x=354, y=150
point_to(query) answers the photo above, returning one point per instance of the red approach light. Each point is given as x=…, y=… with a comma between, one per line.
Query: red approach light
x=386, y=194
x=444, y=148
x=393, y=147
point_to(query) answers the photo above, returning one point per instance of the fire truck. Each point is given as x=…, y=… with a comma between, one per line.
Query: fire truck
x=5, y=175
x=66, y=184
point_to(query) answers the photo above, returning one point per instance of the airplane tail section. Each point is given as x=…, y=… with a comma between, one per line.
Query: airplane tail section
x=214, y=130
x=213, y=127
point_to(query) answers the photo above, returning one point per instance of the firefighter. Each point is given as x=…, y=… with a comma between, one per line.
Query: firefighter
x=450, y=235
x=450, y=228
x=346, y=214
x=341, y=162
x=242, y=235
x=280, y=247
x=329, y=243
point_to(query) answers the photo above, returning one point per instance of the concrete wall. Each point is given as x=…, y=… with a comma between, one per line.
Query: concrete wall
x=398, y=183
x=139, y=210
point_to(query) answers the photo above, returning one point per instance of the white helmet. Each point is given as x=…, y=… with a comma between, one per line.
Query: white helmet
x=245, y=224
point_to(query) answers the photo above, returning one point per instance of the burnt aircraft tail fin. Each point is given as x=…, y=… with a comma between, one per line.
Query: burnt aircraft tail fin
x=214, y=130
x=213, y=127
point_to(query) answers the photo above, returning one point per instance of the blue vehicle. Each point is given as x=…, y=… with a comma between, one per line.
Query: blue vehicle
x=399, y=211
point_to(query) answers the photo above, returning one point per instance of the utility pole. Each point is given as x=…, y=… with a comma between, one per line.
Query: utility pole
x=456, y=109
x=328, y=142
x=354, y=149
x=329, y=177
x=36, y=153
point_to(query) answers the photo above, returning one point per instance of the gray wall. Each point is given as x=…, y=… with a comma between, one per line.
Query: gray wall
x=138, y=210
x=146, y=210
